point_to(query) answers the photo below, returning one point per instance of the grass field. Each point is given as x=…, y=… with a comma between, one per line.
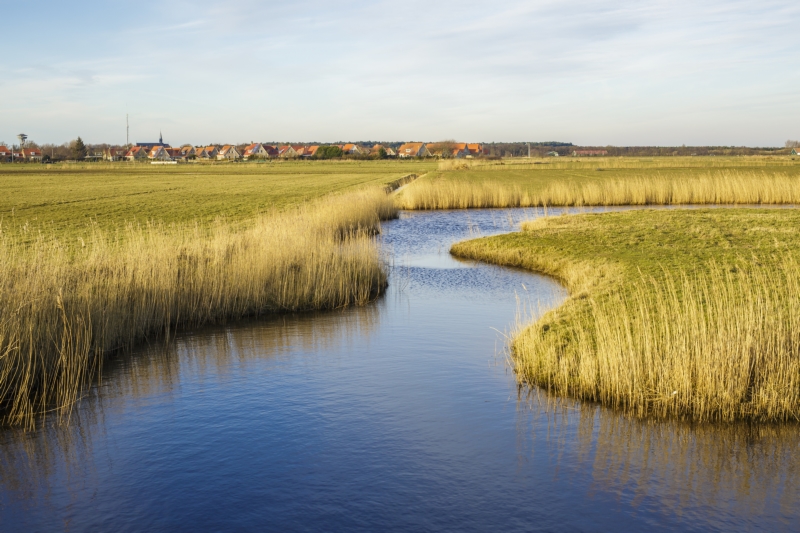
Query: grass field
x=678, y=312
x=605, y=181
x=72, y=199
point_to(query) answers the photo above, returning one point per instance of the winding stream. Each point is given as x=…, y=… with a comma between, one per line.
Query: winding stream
x=401, y=415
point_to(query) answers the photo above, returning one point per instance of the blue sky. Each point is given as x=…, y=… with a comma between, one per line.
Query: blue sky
x=593, y=73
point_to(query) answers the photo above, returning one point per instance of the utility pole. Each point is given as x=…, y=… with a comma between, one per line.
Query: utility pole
x=529, y=150
x=127, y=133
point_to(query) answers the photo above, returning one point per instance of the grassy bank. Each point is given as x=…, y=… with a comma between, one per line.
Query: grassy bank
x=95, y=260
x=606, y=181
x=686, y=313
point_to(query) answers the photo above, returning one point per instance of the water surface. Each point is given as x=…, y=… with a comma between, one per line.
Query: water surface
x=401, y=415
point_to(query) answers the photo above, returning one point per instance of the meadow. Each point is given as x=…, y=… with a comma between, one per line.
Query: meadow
x=464, y=184
x=98, y=258
x=688, y=313
x=73, y=199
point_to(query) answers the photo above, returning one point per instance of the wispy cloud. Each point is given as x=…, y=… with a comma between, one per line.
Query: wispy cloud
x=588, y=71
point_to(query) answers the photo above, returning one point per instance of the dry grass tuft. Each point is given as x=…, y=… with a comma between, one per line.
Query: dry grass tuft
x=64, y=307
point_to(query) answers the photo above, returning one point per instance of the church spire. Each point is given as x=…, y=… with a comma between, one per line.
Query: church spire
x=160, y=138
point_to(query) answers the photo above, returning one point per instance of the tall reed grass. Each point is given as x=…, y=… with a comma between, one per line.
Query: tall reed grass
x=721, y=187
x=611, y=163
x=65, y=307
x=714, y=340
x=721, y=345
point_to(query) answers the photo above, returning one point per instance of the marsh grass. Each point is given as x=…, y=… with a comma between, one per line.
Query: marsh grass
x=64, y=307
x=612, y=163
x=718, y=187
x=655, y=327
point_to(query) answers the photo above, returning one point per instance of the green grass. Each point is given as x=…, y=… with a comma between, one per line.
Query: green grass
x=648, y=240
x=681, y=312
x=66, y=199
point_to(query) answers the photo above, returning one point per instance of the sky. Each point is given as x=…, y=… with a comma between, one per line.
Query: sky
x=587, y=72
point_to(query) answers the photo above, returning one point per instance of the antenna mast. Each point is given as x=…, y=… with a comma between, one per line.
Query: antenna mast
x=127, y=132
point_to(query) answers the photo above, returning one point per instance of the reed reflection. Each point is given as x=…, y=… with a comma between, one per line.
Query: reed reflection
x=745, y=469
x=58, y=454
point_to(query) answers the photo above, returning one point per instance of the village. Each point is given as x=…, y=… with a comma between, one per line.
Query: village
x=161, y=152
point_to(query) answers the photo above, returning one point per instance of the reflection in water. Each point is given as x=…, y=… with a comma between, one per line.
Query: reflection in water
x=30, y=462
x=744, y=469
x=400, y=415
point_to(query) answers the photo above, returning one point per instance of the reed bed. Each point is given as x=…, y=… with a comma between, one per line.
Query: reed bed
x=707, y=336
x=720, y=187
x=65, y=307
x=716, y=346
x=613, y=163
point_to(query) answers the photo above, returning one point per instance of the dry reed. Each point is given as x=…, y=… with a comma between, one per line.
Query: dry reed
x=64, y=307
x=721, y=345
x=614, y=163
x=721, y=187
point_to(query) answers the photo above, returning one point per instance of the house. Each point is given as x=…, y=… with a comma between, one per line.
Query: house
x=272, y=151
x=113, y=154
x=353, y=149
x=589, y=153
x=5, y=153
x=255, y=150
x=137, y=153
x=287, y=152
x=377, y=148
x=795, y=151
x=32, y=154
x=206, y=152
x=311, y=151
x=176, y=154
x=158, y=153
x=228, y=152
x=413, y=150
x=552, y=154
x=475, y=149
x=187, y=152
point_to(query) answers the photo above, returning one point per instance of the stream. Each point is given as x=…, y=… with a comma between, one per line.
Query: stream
x=402, y=415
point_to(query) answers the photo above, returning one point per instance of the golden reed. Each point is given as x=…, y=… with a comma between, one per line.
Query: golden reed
x=64, y=307
x=721, y=344
x=720, y=187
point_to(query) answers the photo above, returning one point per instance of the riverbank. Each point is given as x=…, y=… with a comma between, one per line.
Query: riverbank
x=684, y=313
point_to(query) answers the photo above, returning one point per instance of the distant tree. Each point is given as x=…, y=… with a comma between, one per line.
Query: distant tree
x=792, y=144
x=382, y=153
x=328, y=152
x=78, y=149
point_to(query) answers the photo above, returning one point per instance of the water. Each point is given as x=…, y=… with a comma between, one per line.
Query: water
x=401, y=415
